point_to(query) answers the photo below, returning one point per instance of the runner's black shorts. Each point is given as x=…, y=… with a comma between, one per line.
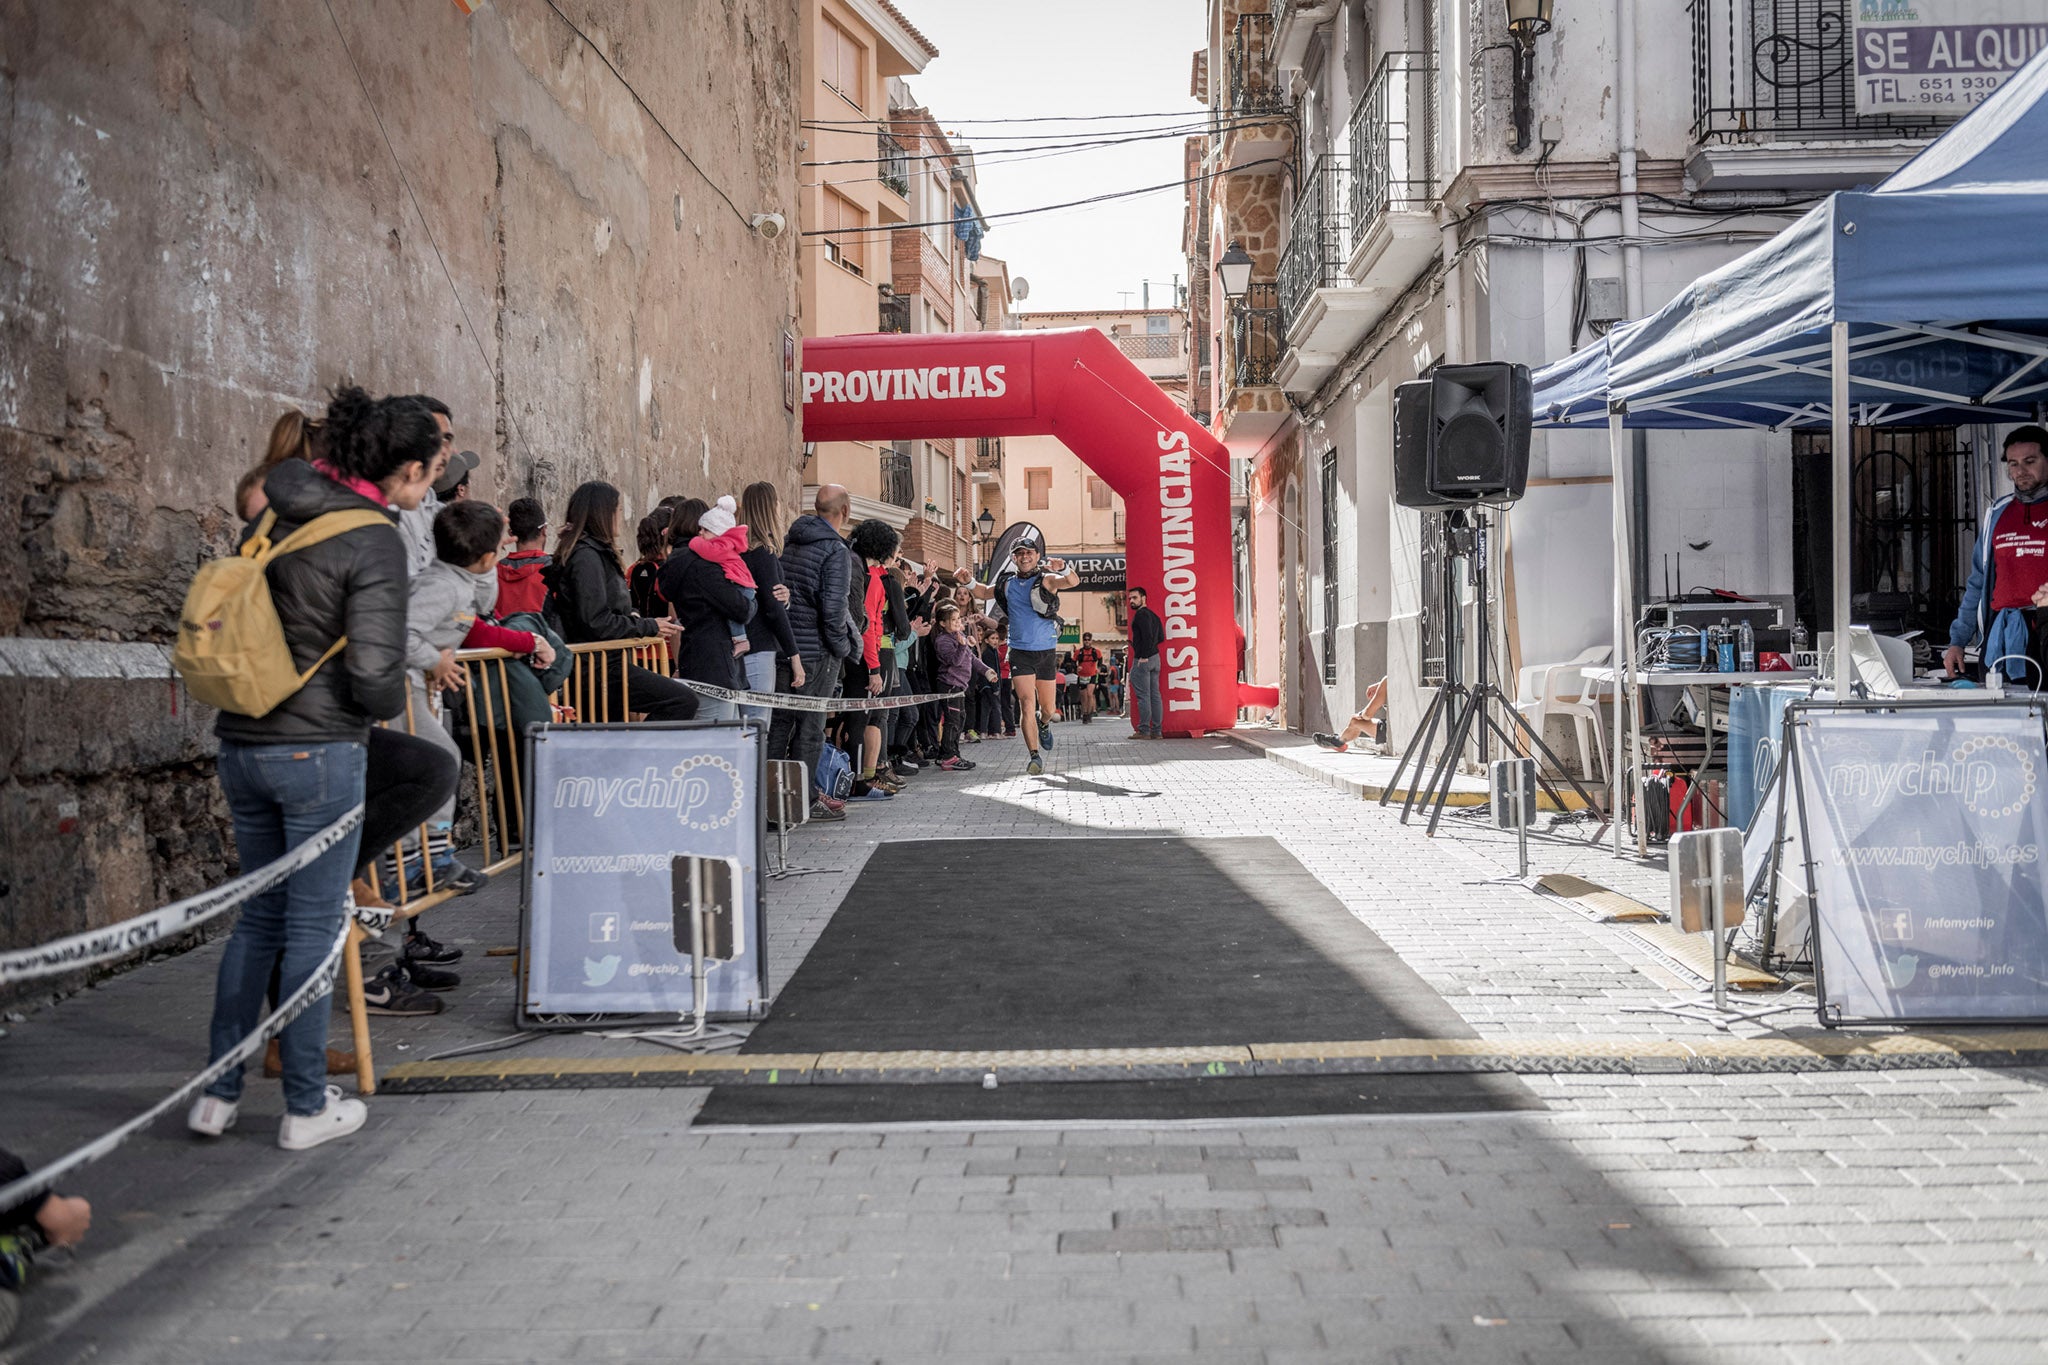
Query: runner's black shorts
x=1042, y=664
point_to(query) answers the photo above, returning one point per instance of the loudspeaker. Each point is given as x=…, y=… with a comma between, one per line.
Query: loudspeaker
x=1461, y=436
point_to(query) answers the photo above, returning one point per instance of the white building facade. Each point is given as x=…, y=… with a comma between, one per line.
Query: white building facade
x=1420, y=227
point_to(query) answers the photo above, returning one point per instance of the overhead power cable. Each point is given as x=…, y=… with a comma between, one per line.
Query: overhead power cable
x=995, y=154
x=1049, y=208
x=475, y=337
x=1032, y=118
x=653, y=117
x=1184, y=128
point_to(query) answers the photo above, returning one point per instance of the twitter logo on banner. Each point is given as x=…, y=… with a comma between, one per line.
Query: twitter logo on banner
x=600, y=972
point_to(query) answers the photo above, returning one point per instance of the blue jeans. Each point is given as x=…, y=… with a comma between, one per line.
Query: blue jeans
x=1145, y=696
x=760, y=665
x=280, y=795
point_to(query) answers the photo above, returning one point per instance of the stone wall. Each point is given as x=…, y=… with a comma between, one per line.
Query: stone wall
x=207, y=218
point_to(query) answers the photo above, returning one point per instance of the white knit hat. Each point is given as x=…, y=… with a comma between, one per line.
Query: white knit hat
x=723, y=516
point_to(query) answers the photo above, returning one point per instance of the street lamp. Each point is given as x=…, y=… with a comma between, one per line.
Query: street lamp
x=1527, y=20
x=985, y=532
x=1235, y=266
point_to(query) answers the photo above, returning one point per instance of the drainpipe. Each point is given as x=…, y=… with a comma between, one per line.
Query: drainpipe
x=1625, y=140
x=1631, y=261
x=1454, y=344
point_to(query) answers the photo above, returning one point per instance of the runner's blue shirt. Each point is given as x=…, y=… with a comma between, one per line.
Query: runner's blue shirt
x=1028, y=630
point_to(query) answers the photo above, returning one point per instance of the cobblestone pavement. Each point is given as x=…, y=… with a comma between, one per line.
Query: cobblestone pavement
x=1873, y=1217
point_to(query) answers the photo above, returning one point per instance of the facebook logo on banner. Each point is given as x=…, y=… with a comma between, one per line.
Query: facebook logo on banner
x=604, y=928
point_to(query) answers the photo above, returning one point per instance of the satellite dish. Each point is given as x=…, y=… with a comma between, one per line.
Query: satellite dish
x=1020, y=289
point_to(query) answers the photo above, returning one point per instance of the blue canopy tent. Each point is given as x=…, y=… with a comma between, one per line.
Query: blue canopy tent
x=1923, y=302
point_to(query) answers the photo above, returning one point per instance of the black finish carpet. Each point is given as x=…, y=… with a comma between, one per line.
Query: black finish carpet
x=1089, y=943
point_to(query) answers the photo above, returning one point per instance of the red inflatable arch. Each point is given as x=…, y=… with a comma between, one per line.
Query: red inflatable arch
x=1074, y=384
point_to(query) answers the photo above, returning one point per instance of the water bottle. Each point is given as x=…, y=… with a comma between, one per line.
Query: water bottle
x=1724, y=649
x=1745, y=640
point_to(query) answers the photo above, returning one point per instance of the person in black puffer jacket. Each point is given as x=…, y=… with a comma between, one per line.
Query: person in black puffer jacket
x=818, y=570
x=296, y=770
x=709, y=606
x=587, y=593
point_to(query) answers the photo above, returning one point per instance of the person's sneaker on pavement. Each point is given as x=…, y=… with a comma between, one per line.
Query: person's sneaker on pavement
x=429, y=978
x=906, y=765
x=419, y=947
x=390, y=992
x=821, y=811
x=210, y=1116
x=1330, y=742
x=1035, y=768
x=956, y=765
x=837, y=803
x=341, y=1117
x=1045, y=732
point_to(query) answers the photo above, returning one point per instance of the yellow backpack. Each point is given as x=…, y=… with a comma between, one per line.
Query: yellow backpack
x=231, y=648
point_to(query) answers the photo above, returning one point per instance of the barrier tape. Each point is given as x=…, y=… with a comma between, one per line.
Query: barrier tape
x=103, y=945
x=789, y=701
x=316, y=987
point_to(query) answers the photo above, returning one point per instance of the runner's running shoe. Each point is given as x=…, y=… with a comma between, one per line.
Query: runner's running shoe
x=1035, y=768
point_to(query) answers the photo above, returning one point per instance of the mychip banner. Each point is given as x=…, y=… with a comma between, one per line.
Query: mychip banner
x=611, y=808
x=1925, y=828
x=1940, y=58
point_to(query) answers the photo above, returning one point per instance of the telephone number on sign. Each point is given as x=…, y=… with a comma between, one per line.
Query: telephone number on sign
x=1942, y=89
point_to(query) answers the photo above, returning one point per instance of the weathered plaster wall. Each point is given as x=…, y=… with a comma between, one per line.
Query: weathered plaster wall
x=205, y=220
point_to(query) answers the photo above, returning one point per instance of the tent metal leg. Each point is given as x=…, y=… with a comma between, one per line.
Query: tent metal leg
x=1844, y=462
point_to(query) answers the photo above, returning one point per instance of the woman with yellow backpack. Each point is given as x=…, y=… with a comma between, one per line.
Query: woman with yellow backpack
x=300, y=640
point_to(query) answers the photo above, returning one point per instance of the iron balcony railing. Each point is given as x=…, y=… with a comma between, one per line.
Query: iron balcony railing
x=1783, y=71
x=1318, y=236
x=895, y=164
x=1254, y=85
x=899, y=486
x=1394, y=142
x=988, y=454
x=893, y=313
x=1256, y=334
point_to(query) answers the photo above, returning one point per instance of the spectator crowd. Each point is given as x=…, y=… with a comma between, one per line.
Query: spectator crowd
x=730, y=595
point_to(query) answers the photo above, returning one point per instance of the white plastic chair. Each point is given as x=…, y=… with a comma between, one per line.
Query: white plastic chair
x=1545, y=690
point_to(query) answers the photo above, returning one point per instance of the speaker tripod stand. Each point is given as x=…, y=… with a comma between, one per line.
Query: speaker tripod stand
x=1462, y=711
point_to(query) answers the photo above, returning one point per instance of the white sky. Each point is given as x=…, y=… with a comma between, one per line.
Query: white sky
x=1062, y=57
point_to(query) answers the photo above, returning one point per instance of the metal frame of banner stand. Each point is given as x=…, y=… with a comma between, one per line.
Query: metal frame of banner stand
x=2036, y=703
x=786, y=797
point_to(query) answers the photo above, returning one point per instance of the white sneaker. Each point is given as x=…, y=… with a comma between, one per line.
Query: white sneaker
x=340, y=1118
x=211, y=1116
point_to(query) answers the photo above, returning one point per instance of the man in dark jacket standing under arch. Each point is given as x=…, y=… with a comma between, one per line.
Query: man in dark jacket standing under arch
x=818, y=567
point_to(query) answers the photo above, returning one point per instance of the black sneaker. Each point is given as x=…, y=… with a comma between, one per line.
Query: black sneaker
x=821, y=811
x=1329, y=741
x=388, y=992
x=420, y=948
x=432, y=978
x=905, y=767
x=461, y=878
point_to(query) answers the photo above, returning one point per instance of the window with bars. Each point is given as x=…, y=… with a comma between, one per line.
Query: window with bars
x=843, y=239
x=1327, y=489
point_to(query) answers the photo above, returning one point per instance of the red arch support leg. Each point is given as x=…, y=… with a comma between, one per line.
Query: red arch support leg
x=1173, y=475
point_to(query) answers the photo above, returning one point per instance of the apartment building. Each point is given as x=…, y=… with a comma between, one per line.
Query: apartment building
x=1046, y=484
x=1416, y=182
x=891, y=197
